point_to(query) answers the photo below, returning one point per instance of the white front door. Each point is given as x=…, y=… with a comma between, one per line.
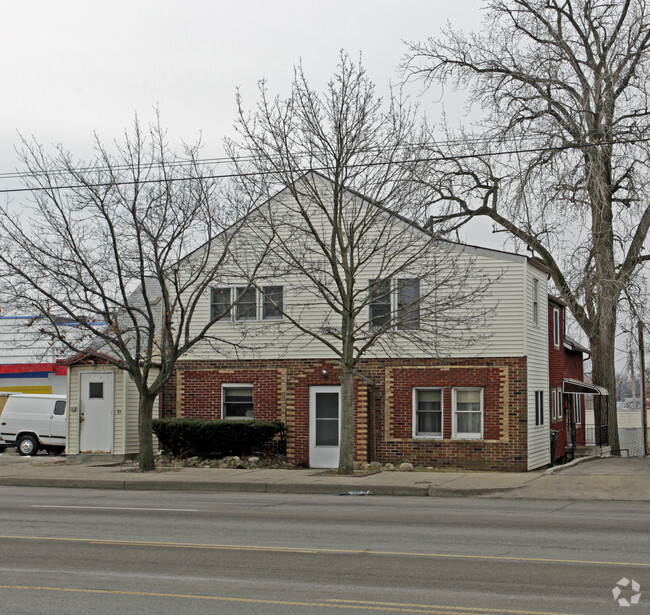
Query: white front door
x=324, y=426
x=96, y=412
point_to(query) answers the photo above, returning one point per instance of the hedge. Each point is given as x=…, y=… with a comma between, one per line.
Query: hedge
x=214, y=437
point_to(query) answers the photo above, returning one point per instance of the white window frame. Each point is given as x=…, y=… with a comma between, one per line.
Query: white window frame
x=393, y=317
x=577, y=409
x=536, y=302
x=560, y=399
x=238, y=304
x=234, y=385
x=556, y=327
x=227, y=315
x=554, y=404
x=428, y=436
x=259, y=303
x=454, y=431
x=262, y=299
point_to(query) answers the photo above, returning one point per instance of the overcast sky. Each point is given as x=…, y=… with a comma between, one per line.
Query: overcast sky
x=74, y=67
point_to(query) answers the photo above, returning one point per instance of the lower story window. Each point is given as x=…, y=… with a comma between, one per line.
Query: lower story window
x=468, y=413
x=577, y=409
x=539, y=407
x=237, y=401
x=427, y=413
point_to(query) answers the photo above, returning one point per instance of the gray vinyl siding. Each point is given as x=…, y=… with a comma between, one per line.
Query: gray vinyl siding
x=496, y=314
x=537, y=363
x=131, y=442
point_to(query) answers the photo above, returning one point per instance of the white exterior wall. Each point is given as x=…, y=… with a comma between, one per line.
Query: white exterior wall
x=125, y=409
x=74, y=403
x=500, y=335
x=539, y=453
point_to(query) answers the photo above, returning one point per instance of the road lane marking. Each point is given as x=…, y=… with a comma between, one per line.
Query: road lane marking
x=317, y=550
x=392, y=607
x=449, y=609
x=115, y=508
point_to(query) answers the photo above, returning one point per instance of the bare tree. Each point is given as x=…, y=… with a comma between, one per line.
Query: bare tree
x=363, y=276
x=564, y=88
x=107, y=244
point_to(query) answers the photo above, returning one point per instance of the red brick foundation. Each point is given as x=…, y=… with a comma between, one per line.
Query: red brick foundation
x=384, y=411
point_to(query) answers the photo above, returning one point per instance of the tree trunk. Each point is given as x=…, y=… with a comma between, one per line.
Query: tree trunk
x=346, y=451
x=145, y=411
x=604, y=374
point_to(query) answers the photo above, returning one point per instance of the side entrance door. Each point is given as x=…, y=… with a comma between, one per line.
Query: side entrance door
x=324, y=426
x=96, y=412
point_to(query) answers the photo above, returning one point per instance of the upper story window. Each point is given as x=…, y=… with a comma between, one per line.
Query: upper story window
x=220, y=303
x=556, y=327
x=272, y=304
x=408, y=304
x=246, y=306
x=395, y=303
x=247, y=303
x=536, y=302
x=380, y=303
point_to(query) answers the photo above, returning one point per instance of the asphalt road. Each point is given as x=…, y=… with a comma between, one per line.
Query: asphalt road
x=79, y=552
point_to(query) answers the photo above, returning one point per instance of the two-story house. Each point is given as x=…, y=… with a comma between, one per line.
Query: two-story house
x=483, y=403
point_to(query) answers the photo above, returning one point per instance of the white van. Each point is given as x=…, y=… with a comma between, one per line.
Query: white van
x=32, y=422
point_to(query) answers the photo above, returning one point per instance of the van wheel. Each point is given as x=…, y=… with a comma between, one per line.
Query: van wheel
x=27, y=445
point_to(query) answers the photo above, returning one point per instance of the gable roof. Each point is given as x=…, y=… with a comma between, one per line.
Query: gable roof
x=412, y=223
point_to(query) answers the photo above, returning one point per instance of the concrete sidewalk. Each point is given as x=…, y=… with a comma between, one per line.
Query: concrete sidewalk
x=601, y=479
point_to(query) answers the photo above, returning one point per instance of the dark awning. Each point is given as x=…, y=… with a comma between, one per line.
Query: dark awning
x=577, y=386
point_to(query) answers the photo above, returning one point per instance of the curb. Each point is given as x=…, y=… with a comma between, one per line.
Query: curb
x=575, y=462
x=224, y=487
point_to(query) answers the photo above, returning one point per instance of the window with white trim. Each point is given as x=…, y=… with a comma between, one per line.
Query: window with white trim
x=553, y=404
x=247, y=303
x=536, y=302
x=556, y=327
x=560, y=401
x=408, y=303
x=427, y=413
x=539, y=407
x=394, y=303
x=577, y=409
x=220, y=303
x=272, y=302
x=467, y=413
x=380, y=303
x=237, y=401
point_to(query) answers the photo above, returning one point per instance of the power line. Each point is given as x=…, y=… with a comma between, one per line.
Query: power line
x=437, y=158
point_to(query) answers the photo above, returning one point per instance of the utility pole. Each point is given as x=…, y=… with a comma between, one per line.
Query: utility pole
x=644, y=412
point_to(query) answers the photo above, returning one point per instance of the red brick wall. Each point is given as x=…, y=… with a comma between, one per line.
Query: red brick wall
x=563, y=363
x=384, y=412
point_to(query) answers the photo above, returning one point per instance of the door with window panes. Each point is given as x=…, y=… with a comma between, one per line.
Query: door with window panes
x=324, y=426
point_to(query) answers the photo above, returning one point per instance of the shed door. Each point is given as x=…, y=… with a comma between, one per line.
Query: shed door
x=96, y=412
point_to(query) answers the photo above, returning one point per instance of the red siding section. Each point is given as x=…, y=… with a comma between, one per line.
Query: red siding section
x=384, y=412
x=564, y=363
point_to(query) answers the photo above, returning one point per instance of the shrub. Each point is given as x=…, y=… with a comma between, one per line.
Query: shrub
x=214, y=437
